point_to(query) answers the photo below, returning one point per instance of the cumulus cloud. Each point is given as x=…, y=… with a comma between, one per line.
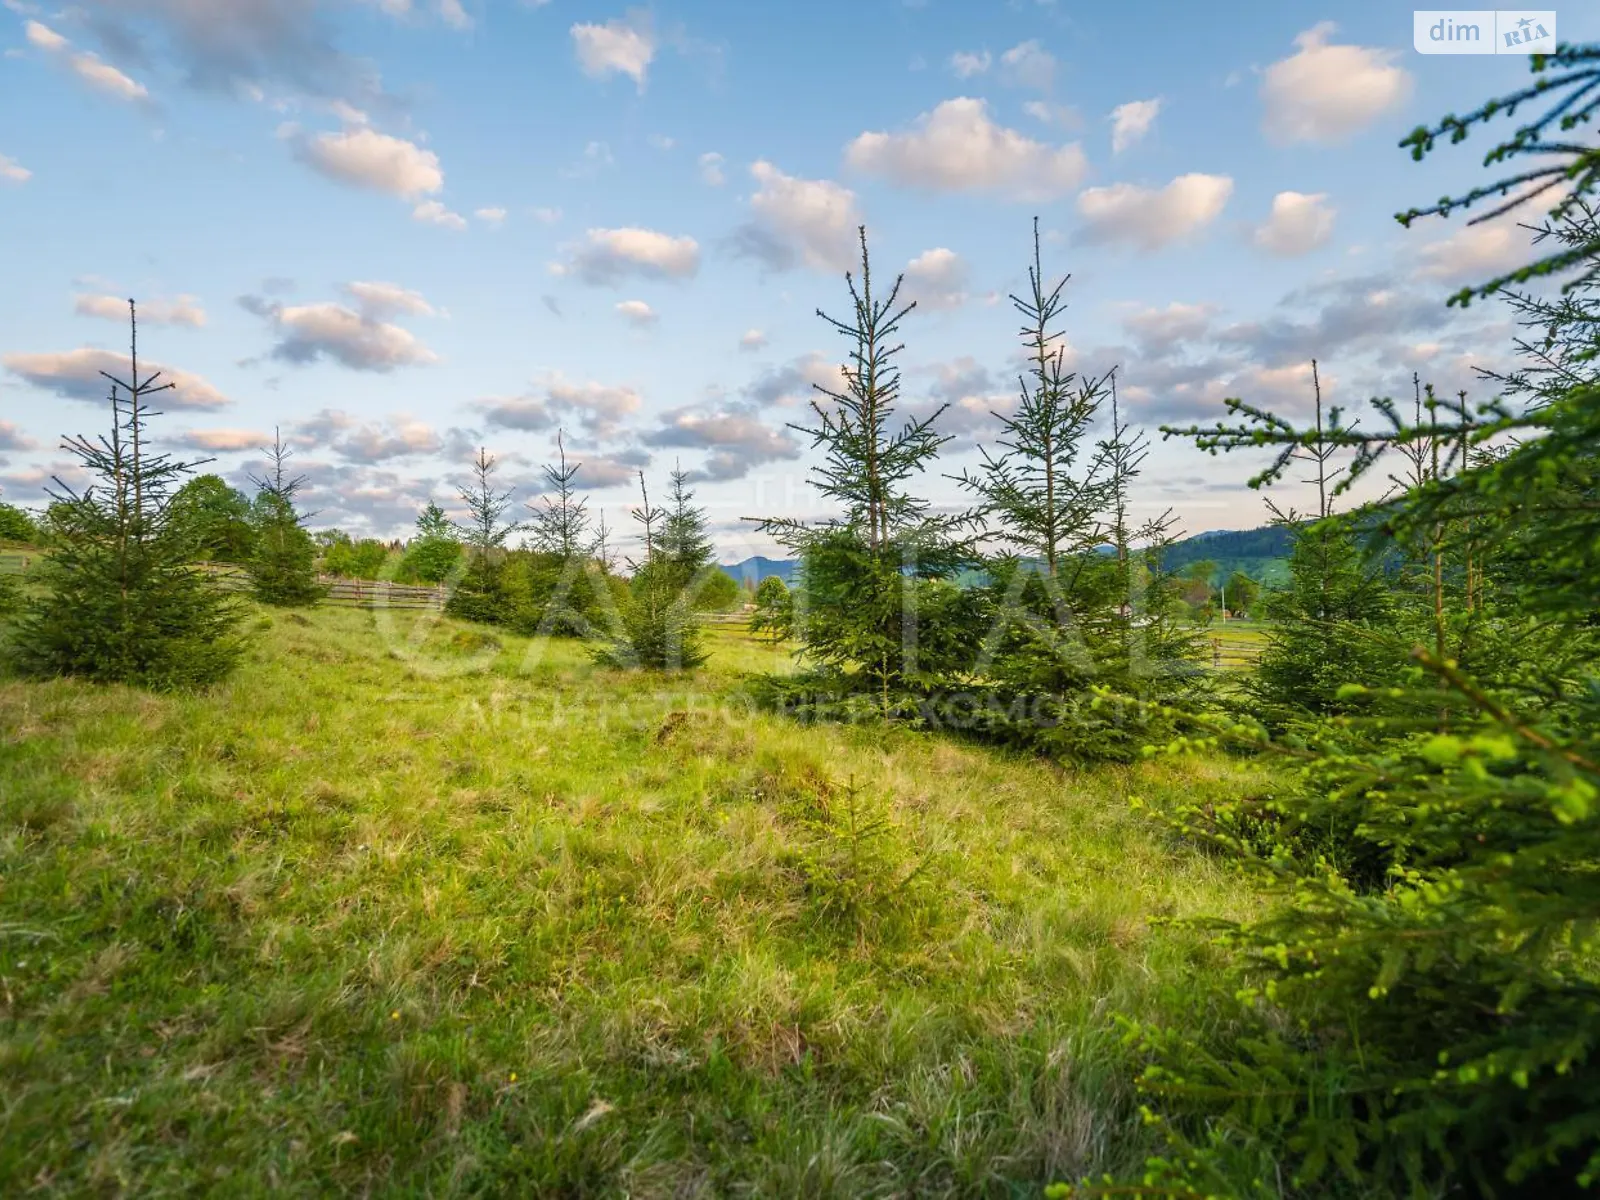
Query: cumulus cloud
x=12, y=438
x=1326, y=93
x=1131, y=121
x=379, y=300
x=1160, y=330
x=957, y=148
x=637, y=313
x=403, y=437
x=432, y=212
x=245, y=48
x=11, y=171
x=75, y=374
x=224, y=439
x=599, y=409
x=608, y=256
x=619, y=47
x=86, y=65
x=183, y=310
x=363, y=157
x=711, y=169
x=936, y=279
x=752, y=339
x=361, y=341
x=810, y=221
x=1475, y=253
x=493, y=216
x=1028, y=65
x=738, y=440
x=1150, y=218
x=1298, y=224
x=795, y=383
x=967, y=64
x=548, y=216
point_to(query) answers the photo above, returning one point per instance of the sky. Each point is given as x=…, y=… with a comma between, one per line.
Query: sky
x=401, y=230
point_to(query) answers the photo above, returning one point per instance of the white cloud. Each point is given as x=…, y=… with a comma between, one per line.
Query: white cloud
x=1028, y=65
x=1131, y=121
x=1159, y=330
x=44, y=37
x=224, y=439
x=86, y=65
x=358, y=340
x=380, y=300
x=365, y=158
x=12, y=438
x=183, y=310
x=609, y=255
x=432, y=212
x=936, y=279
x=490, y=216
x=711, y=169
x=401, y=438
x=548, y=216
x=599, y=408
x=1299, y=223
x=617, y=47
x=1151, y=218
x=451, y=12
x=1475, y=253
x=75, y=374
x=637, y=313
x=813, y=221
x=12, y=171
x=1325, y=93
x=966, y=64
x=737, y=439
x=957, y=147
x=752, y=339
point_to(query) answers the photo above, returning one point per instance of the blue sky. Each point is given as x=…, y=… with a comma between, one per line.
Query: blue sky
x=401, y=229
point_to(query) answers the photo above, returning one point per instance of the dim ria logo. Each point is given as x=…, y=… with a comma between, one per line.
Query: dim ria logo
x=1484, y=31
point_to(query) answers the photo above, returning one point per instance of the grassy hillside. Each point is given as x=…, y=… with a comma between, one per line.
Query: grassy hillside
x=410, y=910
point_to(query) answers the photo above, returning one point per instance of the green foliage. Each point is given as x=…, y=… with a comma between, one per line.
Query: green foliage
x=867, y=575
x=1417, y=1011
x=362, y=559
x=858, y=877
x=545, y=592
x=215, y=518
x=428, y=560
x=774, y=614
x=711, y=589
x=118, y=599
x=1041, y=507
x=480, y=594
x=16, y=525
x=282, y=566
x=656, y=627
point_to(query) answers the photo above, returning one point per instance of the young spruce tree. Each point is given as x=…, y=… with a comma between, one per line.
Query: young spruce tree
x=480, y=595
x=119, y=598
x=282, y=564
x=879, y=611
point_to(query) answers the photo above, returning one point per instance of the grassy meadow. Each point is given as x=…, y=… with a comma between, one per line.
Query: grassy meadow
x=404, y=908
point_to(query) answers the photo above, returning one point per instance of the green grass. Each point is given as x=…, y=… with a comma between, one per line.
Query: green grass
x=433, y=912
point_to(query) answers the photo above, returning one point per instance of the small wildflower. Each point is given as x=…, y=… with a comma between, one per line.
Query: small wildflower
x=395, y=1015
x=513, y=1077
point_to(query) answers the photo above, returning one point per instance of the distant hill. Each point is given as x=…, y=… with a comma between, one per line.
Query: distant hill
x=1262, y=554
x=758, y=568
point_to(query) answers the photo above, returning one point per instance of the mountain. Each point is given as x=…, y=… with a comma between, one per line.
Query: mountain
x=1262, y=554
x=758, y=568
